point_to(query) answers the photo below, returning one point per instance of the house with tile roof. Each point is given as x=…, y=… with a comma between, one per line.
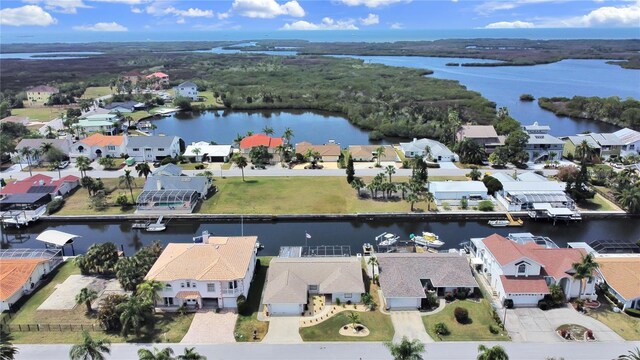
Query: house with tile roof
x=367, y=153
x=211, y=274
x=523, y=272
x=98, y=145
x=291, y=281
x=328, y=152
x=22, y=270
x=621, y=273
x=39, y=95
x=271, y=143
x=406, y=278
x=631, y=141
x=158, y=79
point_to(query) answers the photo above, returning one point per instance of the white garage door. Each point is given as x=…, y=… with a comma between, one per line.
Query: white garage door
x=524, y=300
x=285, y=309
x=403, y=303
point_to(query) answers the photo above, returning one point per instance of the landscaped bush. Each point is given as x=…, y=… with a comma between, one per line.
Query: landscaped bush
x=543, y=305
x=494, y=330
x=633, y=312
x=243, y=306
x=432, y=300
x=460, y=293
x=199, y=167
x=485, y=205
x=54, y=206
x=448, y=297
x=508, y=303
x=441, y=329
x=461, y=315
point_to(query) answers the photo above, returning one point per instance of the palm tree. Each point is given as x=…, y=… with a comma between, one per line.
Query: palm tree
x=412, y=198
x=584, y=151
x=148, y=291
x=56, y=166
x=8, y=351
x=357, y=184
x=86, y=296
x=26, y=154
x=373, y=261
x=50, y=134
x=196, y=152
x=128, y=181
x=191, y=354
x=267, y=130
x=90, y=349
x=128, y=119
x=83, y=164
x=406, y=349
x=390, y=170
x=353, y=318
x=18, y=158
x=143, y=170
x=403, y=187
x=475, y=174
x=287, y=135
x=238, y=139
x=632, y=355
x=45, y=147
x=240, y=162
x=429, y=198
x=135, y=313
x=583, y=270
x=379, y=152
x=156, y=354
x=493, y=353
x=629, y=198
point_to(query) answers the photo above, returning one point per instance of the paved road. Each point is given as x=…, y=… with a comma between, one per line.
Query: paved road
x=353, y=351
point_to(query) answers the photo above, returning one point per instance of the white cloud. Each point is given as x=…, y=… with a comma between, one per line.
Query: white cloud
x=102, y=26
x=136, y=10
x=64, y=6
x=180, y=21
x=266, y=9
x=191, y=12
x=128, y=2
x=510, y=25
x=28, y=15
x=489, y=7
x=396, y=26
x=371, y=19
x=224, y=15
x=327, y=23
x=372, y=3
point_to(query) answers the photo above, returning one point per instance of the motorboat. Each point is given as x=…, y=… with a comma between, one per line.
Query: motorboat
x=157, y=226
x=499, y=223
x=432, y=239
x=259, y=246
x=367, y=249
x=386, y=239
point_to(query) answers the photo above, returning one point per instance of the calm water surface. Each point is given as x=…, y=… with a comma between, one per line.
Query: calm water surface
x=282, y=233
x=49, y=55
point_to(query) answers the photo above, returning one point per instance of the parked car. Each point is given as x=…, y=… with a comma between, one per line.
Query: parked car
x=63, y=165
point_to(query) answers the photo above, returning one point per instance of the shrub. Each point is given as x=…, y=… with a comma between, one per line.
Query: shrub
x=108, y=314
x=168, y=160
x=448, y=296
x=348, y=302
x=446, y=205
x=199, y=167
x=460, y=293
x=461, y=315
x=633, y=312
x=527, y=97
x=543, y=305
x=338, y=301
x=485, y=205
x=432, y=300
x=55, y=206
x=508, y=303
x=464, y=203
x=494, y=330
x=243, y=306
x=441, y=329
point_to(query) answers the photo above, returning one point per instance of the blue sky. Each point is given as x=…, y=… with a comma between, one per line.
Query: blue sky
x=277, y=15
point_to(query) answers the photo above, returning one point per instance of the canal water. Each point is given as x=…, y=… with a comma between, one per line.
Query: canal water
x=274, y=234
x=60, y=55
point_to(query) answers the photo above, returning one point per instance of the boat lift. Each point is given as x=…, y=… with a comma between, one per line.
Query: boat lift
x=57, y=239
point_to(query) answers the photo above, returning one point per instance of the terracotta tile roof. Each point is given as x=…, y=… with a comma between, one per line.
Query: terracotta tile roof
x=368, y=152
x=14, y=273
x=103, y=140
x=524, y=285
x=504, y=250
x=260, y=140
x=622, y=274
x=158, y=75
x=222, y=258
x=188, y=295
x=324, y=150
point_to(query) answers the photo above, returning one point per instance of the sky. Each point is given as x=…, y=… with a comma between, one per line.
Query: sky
x=18, y=16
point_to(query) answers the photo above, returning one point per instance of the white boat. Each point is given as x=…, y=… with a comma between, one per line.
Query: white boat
x=432, y=239
x=140, y=225
x=20, y=218
x=259, y=246
x=499, y=223
x=157, y=226
x=386, y=239
x=367, y=249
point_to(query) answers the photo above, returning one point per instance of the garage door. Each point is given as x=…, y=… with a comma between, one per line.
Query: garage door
x=284, y=309
x=525, y=300
x=403, y=303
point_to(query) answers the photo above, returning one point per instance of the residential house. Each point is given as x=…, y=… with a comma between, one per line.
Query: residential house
x=39, y=95
x=368, y=153
x=42, y=184
x=455, y=191
x=621, y=273
x=328, y=152
x=64, y=145
x=523, y=273
x=630, y=140
x=571, y=142
x=123, y=107
x=252, y=141
x=431, y=149
x=168, y=170
x=97, y=126
x=406, y=278
x=22, y=270
x=483, y=135
x=207, y=152
x=291, y=281
x=211, y=274
x=603, y=145
x=25, y=205
x=151, y=148
x=98, y=145
x=132, y=76
x=187, y=89
x=536, y=128
x=15, y=119
x=159, y=79
x=541, y=145
x=163, y=194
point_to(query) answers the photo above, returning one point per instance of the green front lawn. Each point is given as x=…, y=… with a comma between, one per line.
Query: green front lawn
x=208, y=100
x=79, y=202
x=39, y=114
x=624, y=325
x=96, y=92
x=245, y=325
x=379, y=325
x=598, y=203
x=480, y=315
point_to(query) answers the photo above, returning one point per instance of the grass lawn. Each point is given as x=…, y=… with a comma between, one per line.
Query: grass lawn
x=226, y=166
x=624, y=325
x=480, y=315
x=209, y=100
x=79, y=203
x=379, y=325
x=96, y=92
x=246, y=324
x=39, y=114
x=598, y=203
x=191, y=166
x=137, y=115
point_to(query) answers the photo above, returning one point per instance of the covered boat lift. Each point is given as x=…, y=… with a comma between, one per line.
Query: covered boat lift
x=57, y=239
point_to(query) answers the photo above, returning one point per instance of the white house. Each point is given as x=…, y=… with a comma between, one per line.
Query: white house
x=290, y=281
x=151, y=148
x=437, y=150
x=405, y=278
x=187, y=89
x=542, y=146
x=523, y=272
x=22, y=270
x=98, y=126
x=458, y=190
x=207, y=152
x=621, y=273
x=211, y=274
x=98, y=145
x=630, y=140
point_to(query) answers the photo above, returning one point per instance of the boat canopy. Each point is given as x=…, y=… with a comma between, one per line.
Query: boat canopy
x=56, y=237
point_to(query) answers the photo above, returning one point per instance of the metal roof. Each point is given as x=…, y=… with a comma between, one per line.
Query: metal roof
x=148, y=196
x=24, y=198
x=614, y=246
x=56, y=237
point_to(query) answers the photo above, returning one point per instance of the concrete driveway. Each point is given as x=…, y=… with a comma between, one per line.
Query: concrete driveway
x=409, y=324
x=535, y=325
x=208, y=327
x=283, y=330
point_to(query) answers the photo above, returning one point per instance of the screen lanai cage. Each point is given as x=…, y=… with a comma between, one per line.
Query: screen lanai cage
x=183, y=201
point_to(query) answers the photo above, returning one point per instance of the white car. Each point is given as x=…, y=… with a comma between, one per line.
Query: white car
x=63, y=165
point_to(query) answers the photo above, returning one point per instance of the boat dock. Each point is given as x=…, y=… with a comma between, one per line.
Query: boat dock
x=20, y=218
x=546, y=211
x=315, y=251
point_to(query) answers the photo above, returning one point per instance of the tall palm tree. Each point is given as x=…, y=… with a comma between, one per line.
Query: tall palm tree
x=86, y=296
x=412, y=199
x=191, y=354
x=281, y=150
x=267, y=130
x=148, y=291
x=358, y=184
x=56, y=166
x=8, y=351
x=128, y=181
x=156, y=354
x=90, y=349
x=379, y=152
x=583, y=270
x=287, y=135
x=45, y=147
x=143, y=170
x=26, y=154
x=83, y=164
x=135, y=313
x=406, y=349
x=373, y=261
x=429, y=198
x=493, y=353
x=390, y=170
x=196, y=151
x=584, y=151
x=18, y=158
x=238, y=139
x=240, y=162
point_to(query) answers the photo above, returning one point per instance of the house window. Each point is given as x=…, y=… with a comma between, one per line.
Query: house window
x=160, y=149
x=168, y=301
x=181, y=285
x=211, y=287
x=347, y=296
x=313, y=287
x=147, y=149
x=168, y=286
x=233, y=284
x=189, y=284
x=111, y=148
x=522, y=268
x=136, y=149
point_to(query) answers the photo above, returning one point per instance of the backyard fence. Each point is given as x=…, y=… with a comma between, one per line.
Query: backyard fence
x=49, y=327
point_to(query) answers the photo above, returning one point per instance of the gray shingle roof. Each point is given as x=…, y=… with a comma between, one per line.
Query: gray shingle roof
x=169, y=169
x=62, y=144
x=401, y=274
x=188, y=84
x=150, y=141
x=124, y=104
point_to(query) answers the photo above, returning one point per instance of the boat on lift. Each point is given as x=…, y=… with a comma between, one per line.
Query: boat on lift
x=432, y=239
x=157, y=226
x=499, y=223
x=387, y=239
